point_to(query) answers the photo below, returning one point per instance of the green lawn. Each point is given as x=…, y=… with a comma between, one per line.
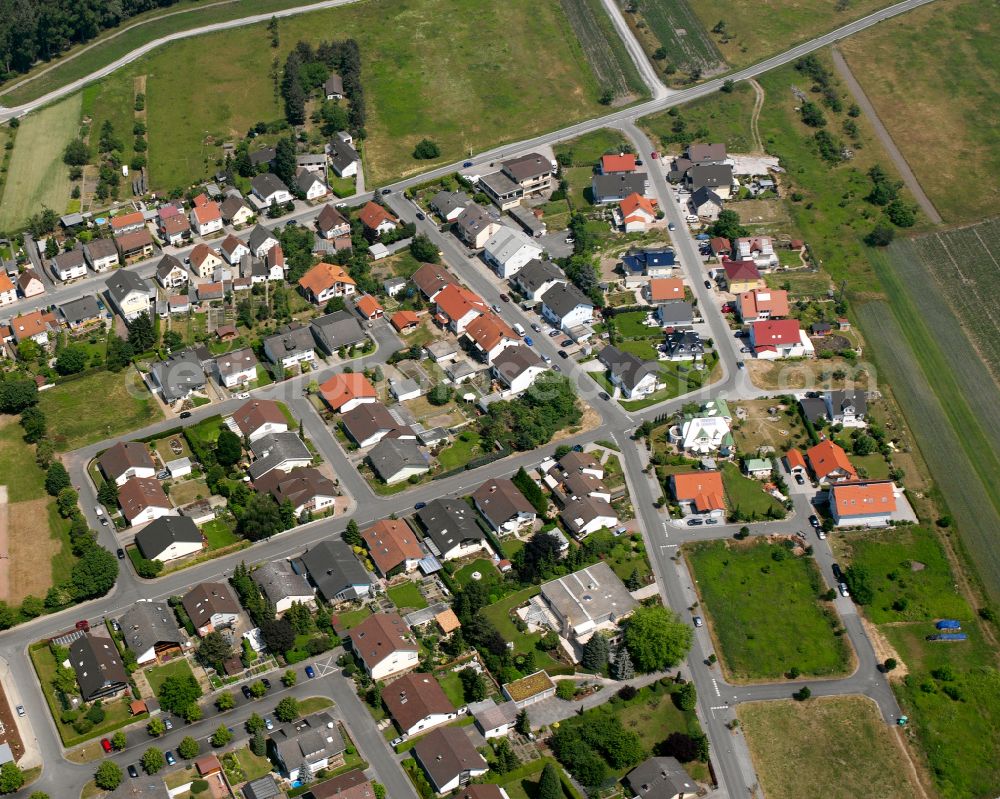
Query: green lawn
x=314, y=704
x=586, y=150
x=75, y=420
x=407, y=595
x=207, y=430
x=484, y=566
x=499, y=612
x=522, y=782
x=352, y=618
x=765, y=614
x=219, y=534
x=464, y=448
x=451, y=684
x=908, y=566
x=157, y=675
x=747, y=496
x=631, y=324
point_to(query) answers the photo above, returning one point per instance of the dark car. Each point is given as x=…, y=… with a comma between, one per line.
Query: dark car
x=169, y=757
x=554, y=333
x=467, y=164
x=708, y=284
x=604, y=395
x=185, y=414
x=695, y=522
x=837, y=572
x=505, y=298
x=814, y=520
x=556, y=367
x=246, y=692
x=420, y=216
x=133, y=772
x=386, y=191
x=310, y=672
x=420, y=505
x=800, y=479
x=567, y=343
x=741, y=365
x=563, y=354
x=536, y=327
x=267, y=683
x=121, y=553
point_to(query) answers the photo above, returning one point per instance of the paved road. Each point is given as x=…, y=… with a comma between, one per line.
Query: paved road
x=886, y=138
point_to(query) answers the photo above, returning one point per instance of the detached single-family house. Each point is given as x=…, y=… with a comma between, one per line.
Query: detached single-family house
x=235, y=211
x=311, y=185
x=741, y=276
x=451, y=527
x=176, y=230
x=615, y=188
x=499, y=187
x=291, y=346
x=493, y=720
x=457, y=306
x=313, y=162
x=31, y=285
x=635, y=214
x=261, y=241
x=336, y=571
x=449, y=204
x=69, y=265
x=417, y=703
x=236, y=368
x=612, y=164
x=179, y=375
x=404, y=321
x=708, y=431
x=168, y=538
x=233, y=249
x=150, y=631
x=35, y=325
x=278, y=451
x=332, y=224
x=758, y=249
x=204, y=261
x=282, y=586
x=863, y=504
x=829, y=463
x=101, y=254
x=586, y=514
x=377, y=219
x=142, y=500
x=503, y=505
x=431, y=279
x=474, y=225
x=170, y=273
x=211, y=607
x=98, y=666
x=127, y=223
x=368, y=307
x=683, y=345
x=635, y=377
x=517, y=368
x=370, y=422
x=717, y=177
x=313, y=743
x=129, y=294
x=393, y=546
x=81, y=313
x=385, y=645
x=206, y=218
x=758, y=304
x=661, y=778
x=848, y=408
x=489, y=336
x=565, y=306
x=257, y=418
x=346, y=390
x=344, y=159
x=706, y=204
x=397, y=459
x=120, y=462
x=675, y=315
x=334, y=87
x=780, y=338
x=536, y=277
x=449, y=759
x=587, y=601
x=508, y=250
x=325, y=281
x=336, y=330
x=532, y=172
x=306, y=489
x=664, y=289
x=699, y=492
x=269, y=189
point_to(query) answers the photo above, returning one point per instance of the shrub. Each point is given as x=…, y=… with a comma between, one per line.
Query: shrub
x=566, y=689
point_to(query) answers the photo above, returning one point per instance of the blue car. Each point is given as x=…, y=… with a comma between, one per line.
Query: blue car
x=310, y=672
x=528, y=341
x=467, y=164
x=420, y=505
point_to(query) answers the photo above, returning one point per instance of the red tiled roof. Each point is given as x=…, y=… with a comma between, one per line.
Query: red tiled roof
x=489, y=330
x=324, y=276
x=341, y=388
x=795, y=459
x=703, y=489
x=391, y=542
x=373, y=215
x=369, y=306
x=625, y=162
x=864, y=499
x=209, y=212
x=127, y=220
x=741, y=270
x=666, y=288
x=635, y=203
x=775, y=332
x=757, y=301
x=826, y=458
x=404, y=319
x=456, y=301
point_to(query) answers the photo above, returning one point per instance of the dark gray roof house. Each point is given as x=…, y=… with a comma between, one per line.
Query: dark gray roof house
x=179, y=375
x=278, y=451
x=168, y=263
x=661, y=778
x=502, y=503
x=527, y=168
x=711, y=176
x=291, y=341
x=563, y=298
x=262, y=788
x=125, y=281
x=448, y=758
x=267, y=184
x=160, y=534
x=98, y=666
x=617, y=186
x=451, y=525
x=683, y=345
x=314, y=740
x=393, y=457
x=447, y=203
x=626, y=368
x=264, y=156
x=704, y=195
x=305, y=180
x=515, y=361
x=334, y=86
x=231, y=206
x=342, y=155
x=279, y=581
x=259, y=237
x=854, y=403
x=336, y=330
x=80, y=311
x=335, y=571
x=472, y=221
x=150, y=628
x=675, y=313
x=813, y=408
x=536, y=275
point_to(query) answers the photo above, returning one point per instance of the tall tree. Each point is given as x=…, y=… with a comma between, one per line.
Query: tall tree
x=656, y=638
x=285, y=162
x=621, y=667
x=595, y=653
x=550, y=786
x=141, y=335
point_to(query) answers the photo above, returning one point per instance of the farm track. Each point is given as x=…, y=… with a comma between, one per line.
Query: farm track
x=604, y=49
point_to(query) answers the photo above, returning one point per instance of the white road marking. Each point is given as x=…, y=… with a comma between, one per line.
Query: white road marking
x=715, y=685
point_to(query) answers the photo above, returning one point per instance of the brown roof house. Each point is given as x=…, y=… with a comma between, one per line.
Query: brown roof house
x=393, y=546
x=448, y=758
x=211, y=606
x=125, y=460
x=305, y=488
x=385, y=645
x=258, y=418
x=142, y=500
x=352, y=785
x=503, y=505
x=98, y=667
x=417, y=703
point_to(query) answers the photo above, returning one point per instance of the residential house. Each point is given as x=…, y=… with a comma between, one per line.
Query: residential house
x=457, y=306
x=393, y=547
x=493, y=720
x=758, y=304
x=683, y=345
x=206, y=218
x=863, y=504
x=257, y=418
x=587, y=601
x=204, y=261
x=281, y=451
x=235, y=211
x=699, y=153
x=274, y=261
x=81, y=313
x=305, y=489
x=449, y=759
x=176, y=230
x=344, y=159
x=313, y=162
x=699, y=492
x=706, y=204
x=536, y=277
x=565, y=306
x=675, y=315
x=501, y=189
x=742, y=276
x=848, y=408
x=758, y=249
x=717, y=177
x=385, y=645
x=417, y=703
x=334, y=87
x=346, y=390
x=449, y=204
x=377, y=219
x=35, y=326
x=101, y=254
x=178, y=304
x=236, y=368
x=648, y=264
x=404, y=390
x=293, y=345
x=397, y=459
x=370, y=422
x=829, y=463
x=475, y=226
x=233, y=249
x=451, y=528
x=661, y=778
x=503, y=505
x=615, y=188
x=404, y=321
x=325, y=281
x=758, y=468
x=178, y=376
x=281, y=586
x=263, y=157
x=331, y=223
x=352, y=785
x=213, y=292
x=313, y=743
x=780, y=338
x=612, y=164
x=168, y=538
x=211, y=607
x=720, y=247
x=517, y=368
x=529, y=690
x=124, y=460
x=635, y=214
x=142, y=500
x=368, y=307
x=634, y=377
x=263, y=787
x=98, y=666
x=707, y=431
x=150, y=631
x=431, y=279
x=135, y=246
x=311, y=185
x=336, y=330
x=489, y=336
x=532, y=172
x=69, y=265
x=664, y=289
x=269, y=189
x=583, y=514
x=30, y=284
x=261, y=241
x=508, y=250
x=170, y=273
x=127, y=223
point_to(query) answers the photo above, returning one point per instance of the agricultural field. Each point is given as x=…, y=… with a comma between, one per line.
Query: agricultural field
x=939, y=62
x=674, y=26
x=834, y=747
x=37, y=176
x=744, y=587
x=613, y=67
x=752, y=32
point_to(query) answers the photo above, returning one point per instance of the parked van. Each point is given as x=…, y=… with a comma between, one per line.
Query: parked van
x=519, y=329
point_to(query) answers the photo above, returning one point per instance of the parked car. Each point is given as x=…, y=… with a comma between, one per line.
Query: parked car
x=711, y=521
x=185, y=414
x=395, y=742
x=547, y=359
x=814, y=521
x=695, y=522
x=267, y=683
x=133, y=772
x=310, y=671
x=744, y=349
x=553, y=333
x=556, y=367
x=168, y=724
x=169, y=757
x=671, y=226
x=741, y=365
x=495, y=308
x=654, y=155
x=536, y=327
x=105, y=744
x=697, y=621
x=418, y=506
x=162, y=475
x=505, y=298
x=21, y=711
x=268, y=723
x=563, y=354
x=528, y=341
x=386, y=191
x=820, y=534
x=121, y=553
x=421, y=216
x=843, y=589
x=708, y=284
x=104, y=521
x=567, y=343
x=246, y=692
x=800, y=479
x=837, y=573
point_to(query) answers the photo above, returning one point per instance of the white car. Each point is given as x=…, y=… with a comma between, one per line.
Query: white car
x=244, y=395
x=547, y=359
x=843, y=589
